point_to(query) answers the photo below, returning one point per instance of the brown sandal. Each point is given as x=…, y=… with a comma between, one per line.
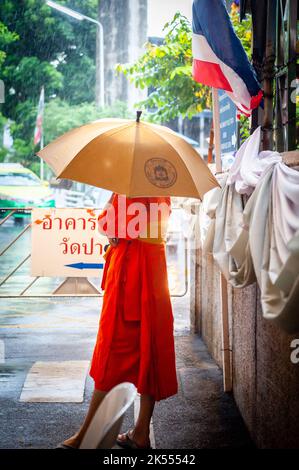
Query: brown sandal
x=128, y=443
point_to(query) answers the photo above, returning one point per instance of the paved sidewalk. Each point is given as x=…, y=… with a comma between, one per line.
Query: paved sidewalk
x=199, y=416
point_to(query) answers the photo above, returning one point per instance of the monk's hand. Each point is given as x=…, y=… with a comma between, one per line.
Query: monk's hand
x=113, y=241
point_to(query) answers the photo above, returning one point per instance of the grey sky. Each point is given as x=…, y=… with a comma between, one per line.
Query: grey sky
x=161, y=11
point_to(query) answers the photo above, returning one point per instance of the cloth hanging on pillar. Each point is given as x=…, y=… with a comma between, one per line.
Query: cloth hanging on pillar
x=261, y=242
x=258, y=238
x=272, y=214
x=250, y=164
x=231, y=242
x=207, y=214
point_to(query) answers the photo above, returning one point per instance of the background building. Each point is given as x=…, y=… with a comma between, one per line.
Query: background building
x=125, y=33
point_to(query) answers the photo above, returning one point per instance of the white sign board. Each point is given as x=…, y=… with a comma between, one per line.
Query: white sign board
x=66, y=242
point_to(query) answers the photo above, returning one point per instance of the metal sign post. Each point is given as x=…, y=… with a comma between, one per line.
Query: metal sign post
x=216, y=125
x=41, y=160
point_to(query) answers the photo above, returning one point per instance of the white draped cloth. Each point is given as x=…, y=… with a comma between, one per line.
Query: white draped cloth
x=207, y=214
x=272, y=214
x=248, y=168
x=258, y=239
x=250, y=164
x=231, y=239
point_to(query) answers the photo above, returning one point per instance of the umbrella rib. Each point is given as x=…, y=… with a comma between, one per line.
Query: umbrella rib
x=133, y=160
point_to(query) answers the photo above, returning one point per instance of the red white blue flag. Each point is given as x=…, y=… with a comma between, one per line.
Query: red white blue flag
x=219, y=59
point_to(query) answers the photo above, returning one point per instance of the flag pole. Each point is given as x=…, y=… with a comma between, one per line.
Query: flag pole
x=39, y=129
x=41, y=160
x=226, y=354
x=216, y=124
x=42, y=140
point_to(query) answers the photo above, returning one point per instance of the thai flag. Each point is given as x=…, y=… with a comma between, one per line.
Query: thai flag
x=219, y=59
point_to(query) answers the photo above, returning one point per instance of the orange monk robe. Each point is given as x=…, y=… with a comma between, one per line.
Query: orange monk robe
x=135, y=341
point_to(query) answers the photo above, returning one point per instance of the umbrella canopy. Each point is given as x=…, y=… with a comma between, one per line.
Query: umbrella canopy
x=130, y=157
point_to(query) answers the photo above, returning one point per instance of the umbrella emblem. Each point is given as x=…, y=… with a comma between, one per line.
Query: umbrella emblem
x=160, y=172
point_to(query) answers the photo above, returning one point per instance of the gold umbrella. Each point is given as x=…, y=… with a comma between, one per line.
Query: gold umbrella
x=130, y=157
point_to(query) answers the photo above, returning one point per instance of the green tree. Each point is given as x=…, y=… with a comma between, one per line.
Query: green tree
x=46, y=49
x=77, y=57
x=6, y=37
x=166, y=70
x=59, y=117
x=51, y=38
x=242, y=28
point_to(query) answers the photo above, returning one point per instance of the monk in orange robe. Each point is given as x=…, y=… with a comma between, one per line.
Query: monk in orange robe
x=135, y=341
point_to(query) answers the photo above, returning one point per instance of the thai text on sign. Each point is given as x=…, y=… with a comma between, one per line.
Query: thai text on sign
x=66, y=242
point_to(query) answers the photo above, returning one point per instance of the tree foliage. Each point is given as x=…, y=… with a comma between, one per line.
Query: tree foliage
x=6, y=37
x=50, y=50
x=59, y=117
x=42, y=47
x=166, y=70
x=242, y=28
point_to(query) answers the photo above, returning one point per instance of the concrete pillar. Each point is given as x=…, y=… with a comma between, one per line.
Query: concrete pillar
x=125, y=33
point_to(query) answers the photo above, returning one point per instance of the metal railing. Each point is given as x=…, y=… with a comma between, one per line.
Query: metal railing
x=77, y=282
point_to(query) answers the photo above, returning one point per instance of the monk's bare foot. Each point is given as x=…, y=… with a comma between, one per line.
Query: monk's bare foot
x=73, y=441
x=141, y=439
